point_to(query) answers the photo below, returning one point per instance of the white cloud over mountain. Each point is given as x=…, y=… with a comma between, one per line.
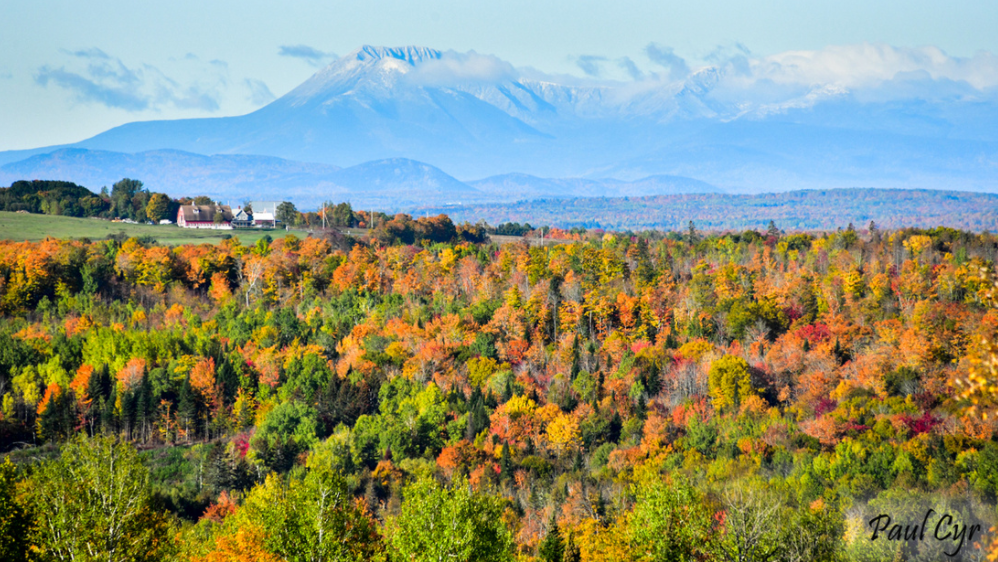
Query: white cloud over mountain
x=869, y=65
x=453, y=67
x=798, y=79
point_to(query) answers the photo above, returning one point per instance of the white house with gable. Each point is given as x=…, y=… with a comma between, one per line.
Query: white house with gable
x=264, y=213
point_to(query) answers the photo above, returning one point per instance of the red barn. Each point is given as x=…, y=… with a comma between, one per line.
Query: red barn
x=205, y=216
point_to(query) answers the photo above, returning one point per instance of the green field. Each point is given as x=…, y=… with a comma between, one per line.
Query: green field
x=23, y=226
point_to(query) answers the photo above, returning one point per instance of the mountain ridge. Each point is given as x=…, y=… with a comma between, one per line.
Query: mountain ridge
x=393, y=183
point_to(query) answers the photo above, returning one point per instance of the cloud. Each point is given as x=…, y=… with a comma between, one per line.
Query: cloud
x=195, y=98
x=590, y=64
x=869, y=65
x=865, y=73
x=260, y=94
x=632, y=69
x=467, y=67
x=732, y=75
x=93, y=76
x=733, y=58
x=308, y=54
x=88, y=90
x=92, y=53
x=666, y=58
x=731, y=82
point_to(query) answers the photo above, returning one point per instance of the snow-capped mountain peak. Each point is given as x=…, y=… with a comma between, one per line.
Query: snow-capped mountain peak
x=367, y=67
x=411, y=54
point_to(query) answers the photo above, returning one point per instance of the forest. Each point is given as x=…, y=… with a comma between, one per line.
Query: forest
x=422, y=393
x=804, y=210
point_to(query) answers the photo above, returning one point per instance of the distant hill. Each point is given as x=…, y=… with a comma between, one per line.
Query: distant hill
x=400, y=182
x=228, y=178
x=795, y=210
x=390, y=184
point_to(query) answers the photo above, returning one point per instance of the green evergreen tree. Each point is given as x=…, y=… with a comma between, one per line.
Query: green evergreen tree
x=505, y=463
x=109, y=413
x=691, y=234
x=187, y=409
x=773, y=230
x=552, y=548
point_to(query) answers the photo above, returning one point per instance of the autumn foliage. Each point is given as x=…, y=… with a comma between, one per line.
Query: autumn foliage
x=591, y=394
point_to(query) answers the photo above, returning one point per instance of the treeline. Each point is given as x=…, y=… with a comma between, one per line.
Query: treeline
x=402, y=229
x=386, y=229
x=127, y=199
x=513, y=229
x=796, y=210
x=52, y=198
x=96, y=500
x=641, y=396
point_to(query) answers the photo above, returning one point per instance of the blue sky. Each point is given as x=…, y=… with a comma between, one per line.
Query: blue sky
x=71, y=69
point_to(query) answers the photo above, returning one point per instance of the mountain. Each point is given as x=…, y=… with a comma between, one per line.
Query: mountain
x=358, y=109
x=476, y=116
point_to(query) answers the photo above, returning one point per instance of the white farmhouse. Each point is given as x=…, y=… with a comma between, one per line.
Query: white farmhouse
x=264, y=213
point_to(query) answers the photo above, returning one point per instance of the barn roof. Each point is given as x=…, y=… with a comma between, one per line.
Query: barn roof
x=205, y=213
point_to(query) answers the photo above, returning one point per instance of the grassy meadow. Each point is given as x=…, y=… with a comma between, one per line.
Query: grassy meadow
x=33, y=227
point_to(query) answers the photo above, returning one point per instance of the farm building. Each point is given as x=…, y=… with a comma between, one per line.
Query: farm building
x=217, y=217
x=242, y=219
x=264, y=213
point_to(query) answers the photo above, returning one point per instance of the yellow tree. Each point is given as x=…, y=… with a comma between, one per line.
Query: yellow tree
x=245, y=545
x=729, y=382
x=158, y=207
x=563, y=433
x=980, y=385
